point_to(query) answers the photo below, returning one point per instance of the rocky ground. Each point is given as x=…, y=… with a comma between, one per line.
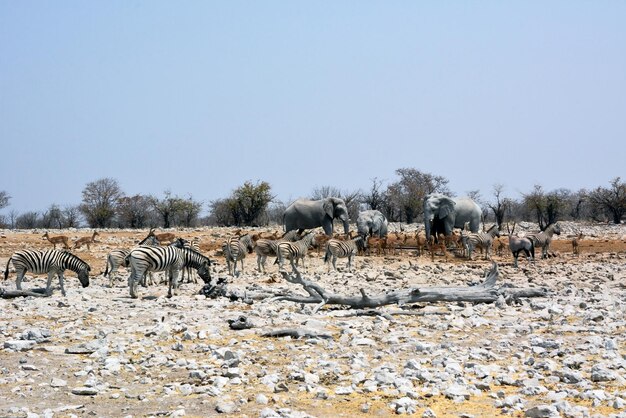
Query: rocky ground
x=97, y=352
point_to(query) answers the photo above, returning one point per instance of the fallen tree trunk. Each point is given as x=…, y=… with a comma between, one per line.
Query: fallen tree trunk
x=486, y=292
x=10, y=294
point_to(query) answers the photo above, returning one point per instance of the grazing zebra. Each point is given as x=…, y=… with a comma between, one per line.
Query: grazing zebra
x=294, y=251
x=235, y=250
x=543, y=239
x=117, y=258
x=340, y=249
x=52, y=262
x=268, y=247
x=194, y=244
x=171, y=259
x=519, y=244
x=481, y=239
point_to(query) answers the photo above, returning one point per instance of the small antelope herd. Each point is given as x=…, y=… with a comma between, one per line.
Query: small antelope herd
x=173, y=255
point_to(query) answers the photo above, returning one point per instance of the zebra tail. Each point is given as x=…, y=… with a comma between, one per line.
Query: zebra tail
x=327, y=255
x=6, y=271
x=106, y=270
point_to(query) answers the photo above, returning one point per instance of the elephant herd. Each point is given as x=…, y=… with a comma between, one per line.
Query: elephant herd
x=441, y=215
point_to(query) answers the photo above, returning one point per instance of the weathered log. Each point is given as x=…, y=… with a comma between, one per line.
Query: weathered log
x=297, y=333
x=484, y=292
x=10, y=294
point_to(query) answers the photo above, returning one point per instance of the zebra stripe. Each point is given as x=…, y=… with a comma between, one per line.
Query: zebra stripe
x=194, y=244
x=118, y=257
x=294, y=251
x=52, y=262
x=544, y=238
x=235, y=250
x=483, y=240
x=341, y=249
x=171, y=259
x=263, y=249
x=268, y=247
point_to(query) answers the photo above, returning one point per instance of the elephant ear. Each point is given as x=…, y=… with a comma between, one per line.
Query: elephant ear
x=329, y=207
x=446, y=207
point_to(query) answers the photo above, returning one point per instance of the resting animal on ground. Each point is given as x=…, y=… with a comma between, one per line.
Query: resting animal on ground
x=543, y=239
x=342, y=249
x=86, y=241
x=51, y=262
x=58, y=239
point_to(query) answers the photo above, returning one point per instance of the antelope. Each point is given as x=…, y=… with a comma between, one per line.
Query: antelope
x=167, y=237
x=421, y=243
x=576, y=243
x=379, y=243
x=519, y=244
x=57, y=239
x=86, y=241
x=435, y=245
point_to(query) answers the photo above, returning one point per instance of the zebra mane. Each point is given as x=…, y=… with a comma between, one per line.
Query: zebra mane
x=191, y=250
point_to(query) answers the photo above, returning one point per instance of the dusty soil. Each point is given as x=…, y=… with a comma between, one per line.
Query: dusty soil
x=172, y=357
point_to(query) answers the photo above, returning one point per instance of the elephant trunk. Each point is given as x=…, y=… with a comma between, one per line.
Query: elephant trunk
x=346, y=227
x=428, y=221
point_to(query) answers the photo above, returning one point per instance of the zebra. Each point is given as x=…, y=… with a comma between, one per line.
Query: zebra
x=340, y=249
x=268, y=247
x=171, y=259
x=543, y=239
x=194, y=244
x=294, y=250
x=52, y=262
x=235, y=250
x=117, y=258
x=519, y=244
x=481, y=239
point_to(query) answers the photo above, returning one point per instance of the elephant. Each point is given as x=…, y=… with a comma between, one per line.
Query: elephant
x=308, y=214
x=372, y=223
x=443, y=214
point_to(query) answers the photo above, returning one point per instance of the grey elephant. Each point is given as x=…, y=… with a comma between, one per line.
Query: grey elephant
x=371, y=223
x=442, y=214
x=308, y=214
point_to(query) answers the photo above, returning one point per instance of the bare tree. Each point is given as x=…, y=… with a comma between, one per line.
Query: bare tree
x=28, y=220
x=406, y=195
x=189, y=212
x=167, y=208
x=99, y=201
x=376, y=197
x=13, y=214
x=4, y=199
x=135, y=211
x=71, y=215
x=500, y=206
x=611, y=200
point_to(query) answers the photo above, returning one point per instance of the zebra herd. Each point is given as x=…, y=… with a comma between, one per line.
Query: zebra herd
x=182, y=257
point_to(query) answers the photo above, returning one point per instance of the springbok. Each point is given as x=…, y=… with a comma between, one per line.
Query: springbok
x=58, y=239
x=86, y=241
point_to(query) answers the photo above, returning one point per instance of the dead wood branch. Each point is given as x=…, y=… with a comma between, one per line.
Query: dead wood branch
x=10, y=294
x=297, y=333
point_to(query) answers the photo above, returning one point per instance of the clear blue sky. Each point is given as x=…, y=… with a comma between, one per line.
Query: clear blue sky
x=200, y=96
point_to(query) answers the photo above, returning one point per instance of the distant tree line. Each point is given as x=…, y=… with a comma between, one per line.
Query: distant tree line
x=105, y=205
